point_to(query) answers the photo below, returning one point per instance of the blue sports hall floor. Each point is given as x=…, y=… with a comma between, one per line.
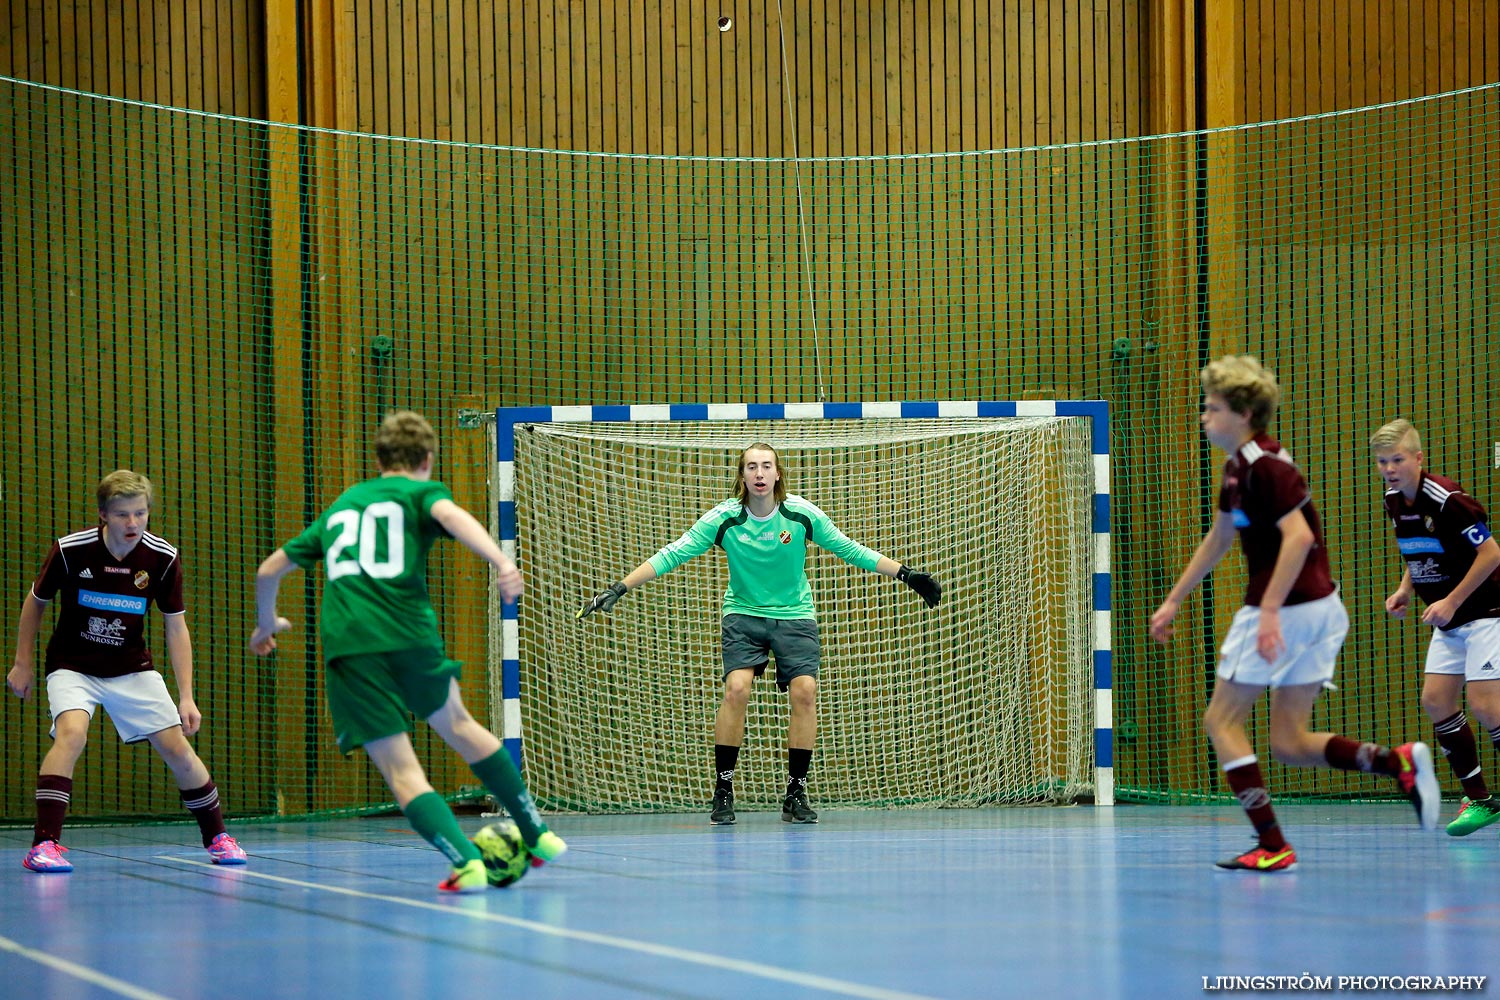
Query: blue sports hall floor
x=1040, y=902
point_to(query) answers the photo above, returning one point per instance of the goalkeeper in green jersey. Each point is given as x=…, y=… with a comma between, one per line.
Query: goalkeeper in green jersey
x=384, y=659
x=768, y=609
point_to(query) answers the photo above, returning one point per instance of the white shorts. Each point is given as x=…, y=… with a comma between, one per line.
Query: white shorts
x=1472, y=650
x=1313, y=633
x=138, y=704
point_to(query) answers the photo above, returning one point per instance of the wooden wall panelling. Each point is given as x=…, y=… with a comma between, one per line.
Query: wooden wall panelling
x=202, y=54
x=292, y=686
x=903, y=74
x=22, y=274
x=13, y=18
x=1323, y=55
x=1224, y=106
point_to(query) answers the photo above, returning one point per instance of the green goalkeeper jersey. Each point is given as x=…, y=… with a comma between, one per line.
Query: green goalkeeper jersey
x=374, y=541
x=767, y=557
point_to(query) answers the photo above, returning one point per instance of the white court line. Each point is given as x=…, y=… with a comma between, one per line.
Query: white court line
x=806, y=980
x=83, y=972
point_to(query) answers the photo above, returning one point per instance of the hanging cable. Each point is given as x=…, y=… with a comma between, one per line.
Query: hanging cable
x=802, y=240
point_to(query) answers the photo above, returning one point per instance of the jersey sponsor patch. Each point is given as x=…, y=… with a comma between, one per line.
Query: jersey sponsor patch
x=1477, y=534
x=1411, y=546
x=1240, y=518
x=1426, y=571
x=112, y=602
x=109, y=632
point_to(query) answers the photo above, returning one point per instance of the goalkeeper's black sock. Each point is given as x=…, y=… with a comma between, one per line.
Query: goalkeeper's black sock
x=725, y=758
x=798, y=761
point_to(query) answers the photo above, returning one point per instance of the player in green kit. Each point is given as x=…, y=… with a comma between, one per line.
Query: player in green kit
x=383, y=653
x=768, y=608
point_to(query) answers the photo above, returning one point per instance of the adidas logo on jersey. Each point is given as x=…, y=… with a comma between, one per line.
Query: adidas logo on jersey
x=85, y=575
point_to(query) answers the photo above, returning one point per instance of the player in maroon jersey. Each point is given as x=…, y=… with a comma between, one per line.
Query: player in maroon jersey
x=107, y=576
x=1453, y=564
x=1287, y=635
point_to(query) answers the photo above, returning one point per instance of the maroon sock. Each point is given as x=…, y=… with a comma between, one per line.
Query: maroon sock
x=53, y=793
x=1457, y=741
x=1250, y=788
x=1372, y=758
x=203, y=803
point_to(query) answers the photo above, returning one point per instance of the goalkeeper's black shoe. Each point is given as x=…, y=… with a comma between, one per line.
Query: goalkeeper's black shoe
x=794, y=808
x=723, y=814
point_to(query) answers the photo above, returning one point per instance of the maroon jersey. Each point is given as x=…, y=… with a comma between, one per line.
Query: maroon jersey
x=1261, y=486
x=1437, y=534
x=101, y=620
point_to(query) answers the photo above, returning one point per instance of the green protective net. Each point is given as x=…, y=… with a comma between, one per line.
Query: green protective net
x=228, y=306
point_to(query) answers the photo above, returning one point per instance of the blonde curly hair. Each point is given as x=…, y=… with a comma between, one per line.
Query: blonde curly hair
x=1241, y=381
x=404, y=441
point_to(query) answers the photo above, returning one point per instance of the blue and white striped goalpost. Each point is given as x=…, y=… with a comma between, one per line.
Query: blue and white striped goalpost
x=508, y=419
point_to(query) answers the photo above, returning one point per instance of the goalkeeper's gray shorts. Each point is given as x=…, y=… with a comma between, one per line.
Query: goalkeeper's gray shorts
x=749, y=641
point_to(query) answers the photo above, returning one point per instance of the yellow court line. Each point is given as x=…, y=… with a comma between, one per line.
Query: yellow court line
x=83, y=972
x=805, y=980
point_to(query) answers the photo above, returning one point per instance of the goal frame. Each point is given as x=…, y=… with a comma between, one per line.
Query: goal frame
x=508, y=419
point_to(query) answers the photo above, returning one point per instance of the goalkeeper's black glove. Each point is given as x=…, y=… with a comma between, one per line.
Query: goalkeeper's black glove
x=926, y=587
x=604, y=600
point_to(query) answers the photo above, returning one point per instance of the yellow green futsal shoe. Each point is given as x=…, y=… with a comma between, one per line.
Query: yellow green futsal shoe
x=548, y=847
x=467, y=877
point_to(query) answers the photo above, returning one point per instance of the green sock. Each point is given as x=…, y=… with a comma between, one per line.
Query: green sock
x=498, y=773
x=430, y=816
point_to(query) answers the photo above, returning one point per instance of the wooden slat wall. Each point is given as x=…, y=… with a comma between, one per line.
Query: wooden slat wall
x=926, y=270
x=1364, y=256
x=445, y=248
x=865, y=76
x=130, y=286
x=208, y=55
x=1328, y=55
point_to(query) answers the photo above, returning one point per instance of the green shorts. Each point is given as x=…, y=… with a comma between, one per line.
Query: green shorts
x=748, y=640
x=374, y=695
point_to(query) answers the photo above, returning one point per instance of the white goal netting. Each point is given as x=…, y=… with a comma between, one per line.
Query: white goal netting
x=986, y=699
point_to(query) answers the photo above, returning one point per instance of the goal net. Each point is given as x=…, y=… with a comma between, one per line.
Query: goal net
x=987, y=699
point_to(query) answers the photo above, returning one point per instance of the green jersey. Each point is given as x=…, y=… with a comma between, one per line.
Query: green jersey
x=767, y=556
x=374, y=541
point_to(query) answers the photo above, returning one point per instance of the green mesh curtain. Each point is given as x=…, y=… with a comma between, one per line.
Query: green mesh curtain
x=229, y=306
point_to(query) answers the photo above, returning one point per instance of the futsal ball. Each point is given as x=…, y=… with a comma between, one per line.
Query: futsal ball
x=504, y=852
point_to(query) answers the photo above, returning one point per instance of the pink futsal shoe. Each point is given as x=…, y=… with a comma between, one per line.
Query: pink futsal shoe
x=224, y=851
x=1418, y=780
x=48, y=857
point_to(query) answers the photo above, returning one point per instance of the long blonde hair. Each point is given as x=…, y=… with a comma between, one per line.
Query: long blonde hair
x=741, y=491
